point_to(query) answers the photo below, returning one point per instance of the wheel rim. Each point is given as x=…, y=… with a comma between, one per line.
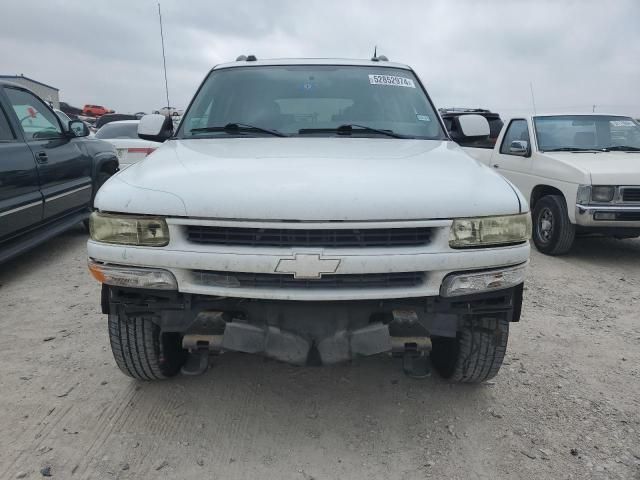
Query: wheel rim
x=545, y=225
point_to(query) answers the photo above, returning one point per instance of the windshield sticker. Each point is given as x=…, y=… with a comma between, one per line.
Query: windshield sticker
x=423, y=118
x=391, y=80
x=622, y=123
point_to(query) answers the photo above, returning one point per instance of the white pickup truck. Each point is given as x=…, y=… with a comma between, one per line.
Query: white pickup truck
x=579, y=173
x=311, y=211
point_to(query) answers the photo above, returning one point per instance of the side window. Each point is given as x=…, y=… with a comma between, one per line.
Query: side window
x=36, y=120
x=517, y=130
x=6, y=134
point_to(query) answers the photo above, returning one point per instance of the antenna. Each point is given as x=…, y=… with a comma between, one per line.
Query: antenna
x=533, y=99
x=164, y=60
x=375, y=51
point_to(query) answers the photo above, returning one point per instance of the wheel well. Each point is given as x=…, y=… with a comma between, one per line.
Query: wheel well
x=109, y=167
x=541, y=191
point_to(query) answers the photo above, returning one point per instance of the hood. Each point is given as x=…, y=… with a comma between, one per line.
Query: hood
x=309, y=179
x=604, y=168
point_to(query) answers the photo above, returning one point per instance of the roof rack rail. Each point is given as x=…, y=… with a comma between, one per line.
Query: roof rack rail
x=463, y=110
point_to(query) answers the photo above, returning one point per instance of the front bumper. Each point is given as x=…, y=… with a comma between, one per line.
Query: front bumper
x=434, y=261
x=288, y=330
x=608, y=216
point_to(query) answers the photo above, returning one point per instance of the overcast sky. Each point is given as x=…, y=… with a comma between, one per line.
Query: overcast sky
x=468, y=53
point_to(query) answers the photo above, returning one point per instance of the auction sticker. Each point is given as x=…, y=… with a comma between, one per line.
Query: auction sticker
x=391, y=80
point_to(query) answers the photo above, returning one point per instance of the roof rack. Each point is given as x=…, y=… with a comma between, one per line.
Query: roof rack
x=246, y=58
x=463, y=110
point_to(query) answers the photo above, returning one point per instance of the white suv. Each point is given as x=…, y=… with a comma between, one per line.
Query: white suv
x=310, y=211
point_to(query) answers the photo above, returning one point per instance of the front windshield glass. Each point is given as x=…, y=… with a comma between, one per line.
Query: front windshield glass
x=312, y=100
x=587, y=132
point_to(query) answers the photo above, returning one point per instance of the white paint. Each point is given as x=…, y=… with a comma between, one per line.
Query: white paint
x=151, y=124
x=473, y=125
x=309, y=178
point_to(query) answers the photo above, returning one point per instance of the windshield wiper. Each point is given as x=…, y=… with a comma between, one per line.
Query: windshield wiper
x=622, y=148
x=239, y=127
x=348, y=129
x=573, y=149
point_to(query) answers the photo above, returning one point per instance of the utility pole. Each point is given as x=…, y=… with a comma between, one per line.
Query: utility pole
x=164, y=60
x=593, y=109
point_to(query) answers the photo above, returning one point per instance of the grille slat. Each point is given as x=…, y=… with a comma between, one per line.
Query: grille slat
x=335, y=237
x=631, y=195
x=271, y=280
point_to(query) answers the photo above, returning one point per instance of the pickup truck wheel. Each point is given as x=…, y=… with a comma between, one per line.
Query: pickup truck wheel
x=476, y=354
x=553, y=232
x=141, y=351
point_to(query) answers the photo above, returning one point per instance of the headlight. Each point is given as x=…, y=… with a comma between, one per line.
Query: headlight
x=602, y=193
x=584, y=195
x=129, y=230
x=487, y=231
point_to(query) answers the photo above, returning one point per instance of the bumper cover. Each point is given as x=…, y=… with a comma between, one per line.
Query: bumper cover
x=608, y=216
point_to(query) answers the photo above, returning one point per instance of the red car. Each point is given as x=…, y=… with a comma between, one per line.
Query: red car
x=95, y=110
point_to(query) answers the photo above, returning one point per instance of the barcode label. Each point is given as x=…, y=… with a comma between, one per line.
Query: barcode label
x=391, y=80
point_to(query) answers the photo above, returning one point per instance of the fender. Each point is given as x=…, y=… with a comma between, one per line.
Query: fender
x=103, y=158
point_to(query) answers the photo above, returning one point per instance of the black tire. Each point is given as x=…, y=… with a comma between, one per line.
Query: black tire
x=553, y=232
x=141, y=351
x=476, y=354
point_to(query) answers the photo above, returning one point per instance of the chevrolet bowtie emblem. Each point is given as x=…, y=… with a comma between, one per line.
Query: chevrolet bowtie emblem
x=310, y=266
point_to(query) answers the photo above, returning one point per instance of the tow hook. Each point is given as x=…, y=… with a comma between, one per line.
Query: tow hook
x=415, y=364
x=410, y=339
x=198, y=347
x=197, y=362
x=415, y=355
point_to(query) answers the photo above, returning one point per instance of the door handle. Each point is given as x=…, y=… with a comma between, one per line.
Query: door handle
x=42, y=157
x=495, y=165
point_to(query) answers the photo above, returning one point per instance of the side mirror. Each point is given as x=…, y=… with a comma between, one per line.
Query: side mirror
x=519, y=147
x=77, y=128
x=155, y=127
x=471, y=127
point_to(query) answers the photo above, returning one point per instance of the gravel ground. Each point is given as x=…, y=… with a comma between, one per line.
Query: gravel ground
x=565, y=405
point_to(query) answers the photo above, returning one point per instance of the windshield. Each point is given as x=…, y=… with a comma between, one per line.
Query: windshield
x=312, y=100
x=586, y=132
x=118, y=130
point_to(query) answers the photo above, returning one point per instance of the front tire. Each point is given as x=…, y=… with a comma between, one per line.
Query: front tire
x=477, y=352
x=553, y=232
x=142, y=351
